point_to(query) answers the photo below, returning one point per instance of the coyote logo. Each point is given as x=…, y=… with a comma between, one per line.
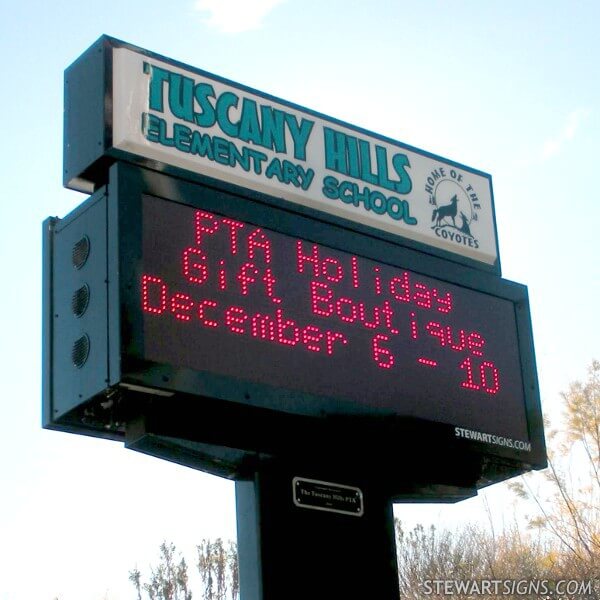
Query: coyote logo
x=449, y=210
x=455, y=207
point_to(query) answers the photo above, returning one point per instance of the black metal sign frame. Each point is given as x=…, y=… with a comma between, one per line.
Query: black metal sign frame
x=98, y=398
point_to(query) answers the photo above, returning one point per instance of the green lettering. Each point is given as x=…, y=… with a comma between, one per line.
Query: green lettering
x=300, y=134
x=163, y=138
x=249, y=125
x=364, y=196
x=353, y=160
x=151, y=127
x=404, y=186
x=224, y=103
x=273, y=128
x=395, y=208
x=181, y=97
x=330, y=187
x=155, y=87
x=274, y=170
x=221, y=148
x=407, y=218
x=382, y=168
x=202, y=93
x=201, y=145
x=181, y=137
x=257, y=159
x=305, y=177
x=347, y=190
x=378, y=202
x=290, y=173
x=335, y=150
x=239, y=158
x=365, y=162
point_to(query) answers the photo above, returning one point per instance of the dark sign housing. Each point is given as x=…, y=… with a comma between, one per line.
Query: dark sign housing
x=207, y=327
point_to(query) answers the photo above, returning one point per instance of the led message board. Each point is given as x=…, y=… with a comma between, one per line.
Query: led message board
x=164, y=293
x=227, y=297
x=125, y=103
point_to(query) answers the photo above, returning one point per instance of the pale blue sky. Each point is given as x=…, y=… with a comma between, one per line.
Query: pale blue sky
x=510, y=88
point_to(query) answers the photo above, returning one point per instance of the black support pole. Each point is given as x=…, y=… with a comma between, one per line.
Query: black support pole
x=309, y=536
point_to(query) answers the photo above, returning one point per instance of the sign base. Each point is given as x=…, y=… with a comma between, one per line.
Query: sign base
x=287, y=551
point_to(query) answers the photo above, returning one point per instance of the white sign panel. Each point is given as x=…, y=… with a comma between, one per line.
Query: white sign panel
x=200, y=123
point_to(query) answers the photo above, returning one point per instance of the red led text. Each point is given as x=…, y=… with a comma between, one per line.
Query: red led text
x=259, y=286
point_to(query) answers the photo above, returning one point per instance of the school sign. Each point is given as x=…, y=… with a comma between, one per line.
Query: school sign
x=167, y=115
x=265, y=293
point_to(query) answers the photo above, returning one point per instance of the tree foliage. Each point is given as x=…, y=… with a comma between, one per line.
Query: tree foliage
x=168, y=581
x=470, y=554
x=567, y=502
x=217, y=565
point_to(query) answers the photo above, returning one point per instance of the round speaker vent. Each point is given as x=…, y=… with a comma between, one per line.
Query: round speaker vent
x=80, y=300
x=81, y=252
x=81, y=351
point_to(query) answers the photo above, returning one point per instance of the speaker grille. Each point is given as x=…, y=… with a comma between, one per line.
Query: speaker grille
x=80, y=300
x=80, y=351
x=81, y=252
